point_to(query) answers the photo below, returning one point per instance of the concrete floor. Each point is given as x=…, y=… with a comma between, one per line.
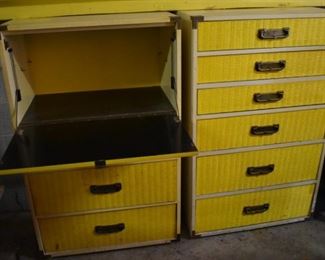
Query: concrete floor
x=305, y=241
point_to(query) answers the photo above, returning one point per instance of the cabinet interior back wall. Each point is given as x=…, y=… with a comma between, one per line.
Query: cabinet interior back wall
x=94, y=60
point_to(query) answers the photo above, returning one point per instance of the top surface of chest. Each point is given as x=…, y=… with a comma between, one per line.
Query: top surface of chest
x=13, y=9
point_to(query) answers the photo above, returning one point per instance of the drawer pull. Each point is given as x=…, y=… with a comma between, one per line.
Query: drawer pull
x=250, y=210
x=270, y=66
x=105, y=189
x=272, y=34
x=256, y=171
x=265, y=130
x=268, y=97
x=102, y=230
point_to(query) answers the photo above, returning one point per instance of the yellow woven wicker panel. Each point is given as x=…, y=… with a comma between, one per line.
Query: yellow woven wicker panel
x=227, y=212
x=69, y=191
x=242, y=98
x=233, y=132
x=243, y=34
x=242, y=67
x=78, y=232
x=229, y=172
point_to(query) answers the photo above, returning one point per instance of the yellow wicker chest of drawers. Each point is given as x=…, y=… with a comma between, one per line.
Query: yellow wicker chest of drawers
x=96, y=102
x=254, y=88
x=89, y=210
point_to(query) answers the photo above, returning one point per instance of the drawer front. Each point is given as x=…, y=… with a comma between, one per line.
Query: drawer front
x=228, y=172
x=250, y=34
x=111, y=187
x=231, y=99
x=260, y=66
x=113, y=229
x=253, y=208
x=223, y=133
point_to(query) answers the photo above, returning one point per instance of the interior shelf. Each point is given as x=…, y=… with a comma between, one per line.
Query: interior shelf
x=97, y=105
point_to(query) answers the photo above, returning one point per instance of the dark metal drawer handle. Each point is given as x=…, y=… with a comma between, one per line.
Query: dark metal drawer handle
x=272, y=34
x=268, y=97
x=256, y=171
x=250, y=210
x=105, y=189
x=102, y=230
x=270, y=66
x=265, y=130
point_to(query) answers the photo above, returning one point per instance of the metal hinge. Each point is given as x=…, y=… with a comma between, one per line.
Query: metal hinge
x=173, y=38
x=7, y=46
x=9, y=49
x=172, y=82
x=196, y=20
x=176, y=20
x=18, y=95
x=194, y=235
x=100, y=163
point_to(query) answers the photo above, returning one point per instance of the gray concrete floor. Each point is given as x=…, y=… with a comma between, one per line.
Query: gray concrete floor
x=305, y=241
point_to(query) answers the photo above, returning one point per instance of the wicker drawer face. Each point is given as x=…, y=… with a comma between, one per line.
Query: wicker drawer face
x=253, y=208
x=117, y=228
x=232, y=99
x=223, y=133
x=251, y=34
x=112, y=187
x=259, y=66
x=247, y=170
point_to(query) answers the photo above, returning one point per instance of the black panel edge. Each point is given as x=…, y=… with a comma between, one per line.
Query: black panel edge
x=176, y=20
x=178, y=238
x=196, y=20
x=194, y=235
x=3, y=27
x=100, y=163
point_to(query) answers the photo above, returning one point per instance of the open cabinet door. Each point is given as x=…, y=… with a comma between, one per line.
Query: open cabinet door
x=71, y=114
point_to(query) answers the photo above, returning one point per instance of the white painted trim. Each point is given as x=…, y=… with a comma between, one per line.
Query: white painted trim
x=258, y=189
x=258, y=51
x=260, y=112
x=86, y=22
x=258, y=82
x=193, y=195
x=259, y=148
x=81, y=213
x=251, y=227
x=179, y=197
x=76, y=29
x=319, y=175
x=193, y=83
x=32, y=209
x=178, y=73
x=258, y=13
x=108, y=248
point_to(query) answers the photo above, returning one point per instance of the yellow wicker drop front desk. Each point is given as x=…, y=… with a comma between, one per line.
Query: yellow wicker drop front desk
x=255, y=107
x=96, y=103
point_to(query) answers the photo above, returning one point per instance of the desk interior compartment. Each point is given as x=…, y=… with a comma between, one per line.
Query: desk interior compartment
x=93, y=88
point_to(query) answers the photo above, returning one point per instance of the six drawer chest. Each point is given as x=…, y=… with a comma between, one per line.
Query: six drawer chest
x=254, y=106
